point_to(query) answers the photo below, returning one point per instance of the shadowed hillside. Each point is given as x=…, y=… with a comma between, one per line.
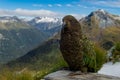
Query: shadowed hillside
x=17, y=38
x=44, y=56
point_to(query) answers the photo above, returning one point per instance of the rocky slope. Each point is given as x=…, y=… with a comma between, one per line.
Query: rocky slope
x=101, y=26
x=49, y=26
x=17, y=37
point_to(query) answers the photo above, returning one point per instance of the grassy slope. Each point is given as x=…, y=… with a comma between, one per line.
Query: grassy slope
x=44, y=56
x=17, y=39
x=101, y=35
x=35, y=64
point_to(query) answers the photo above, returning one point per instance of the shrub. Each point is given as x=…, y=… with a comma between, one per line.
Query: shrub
x=117, y=46
x=94, y=56
x=100, y=57
x=116, y=52
x=89, y=54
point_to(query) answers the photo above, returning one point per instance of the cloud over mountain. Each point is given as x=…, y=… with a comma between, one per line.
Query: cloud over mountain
x=35, y=13
x=109, y=3
x=26, y=12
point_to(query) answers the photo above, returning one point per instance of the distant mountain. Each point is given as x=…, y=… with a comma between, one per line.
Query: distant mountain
x=45, y=56
x=102, y=18
x=101, y=26
x=49, y=26
x=17, y=38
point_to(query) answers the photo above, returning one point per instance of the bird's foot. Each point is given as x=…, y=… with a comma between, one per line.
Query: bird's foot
x=76, y=73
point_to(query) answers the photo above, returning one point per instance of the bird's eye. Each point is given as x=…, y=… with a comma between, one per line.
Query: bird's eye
x=70, y=20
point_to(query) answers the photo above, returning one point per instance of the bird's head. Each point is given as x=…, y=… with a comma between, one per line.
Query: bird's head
x=68, y=20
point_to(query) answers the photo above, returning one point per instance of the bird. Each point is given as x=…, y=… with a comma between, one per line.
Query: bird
x=70, y=43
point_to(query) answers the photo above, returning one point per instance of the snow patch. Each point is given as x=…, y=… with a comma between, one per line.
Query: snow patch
x=1, y=36
x=47, y=19
x=17, y=34
x=6, y=19
x=111, y=69
x=101, y=10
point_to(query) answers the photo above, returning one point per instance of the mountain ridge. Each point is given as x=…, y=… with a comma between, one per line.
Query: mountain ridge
x=100, y=26
x=17, y=38
x=47, y=25
x=46, y=54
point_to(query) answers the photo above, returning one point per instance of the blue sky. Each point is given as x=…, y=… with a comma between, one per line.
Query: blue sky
x=56, y=8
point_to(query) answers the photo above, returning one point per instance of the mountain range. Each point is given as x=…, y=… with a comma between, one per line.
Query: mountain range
x=17, y=38
x=49, y=26
x=99, y=26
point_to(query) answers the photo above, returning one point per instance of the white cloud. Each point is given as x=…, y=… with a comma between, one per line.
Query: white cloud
x=109, y=3
x=69, y=5
x=37, y=5
x=35, y=13
x=26, y=12
x=59, y=5
x=82, y=6
x=50, y=5
x=5, y=12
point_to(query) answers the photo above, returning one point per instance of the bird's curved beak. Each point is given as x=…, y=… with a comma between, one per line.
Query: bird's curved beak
x=64, y=23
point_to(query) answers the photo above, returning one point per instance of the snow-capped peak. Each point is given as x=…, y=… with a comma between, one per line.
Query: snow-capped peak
x=101, y=10
x=104, y=19
x=6, y=19
x=46, y=19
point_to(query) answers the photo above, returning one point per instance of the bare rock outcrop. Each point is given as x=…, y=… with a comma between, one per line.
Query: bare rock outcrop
x=66, y=75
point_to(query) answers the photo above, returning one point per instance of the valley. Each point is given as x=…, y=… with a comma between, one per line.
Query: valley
x=17, y=38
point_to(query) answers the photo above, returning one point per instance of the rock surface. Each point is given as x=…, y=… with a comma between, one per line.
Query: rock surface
x=65, y=75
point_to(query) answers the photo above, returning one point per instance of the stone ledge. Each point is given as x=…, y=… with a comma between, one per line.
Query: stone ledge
x=64, y=75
